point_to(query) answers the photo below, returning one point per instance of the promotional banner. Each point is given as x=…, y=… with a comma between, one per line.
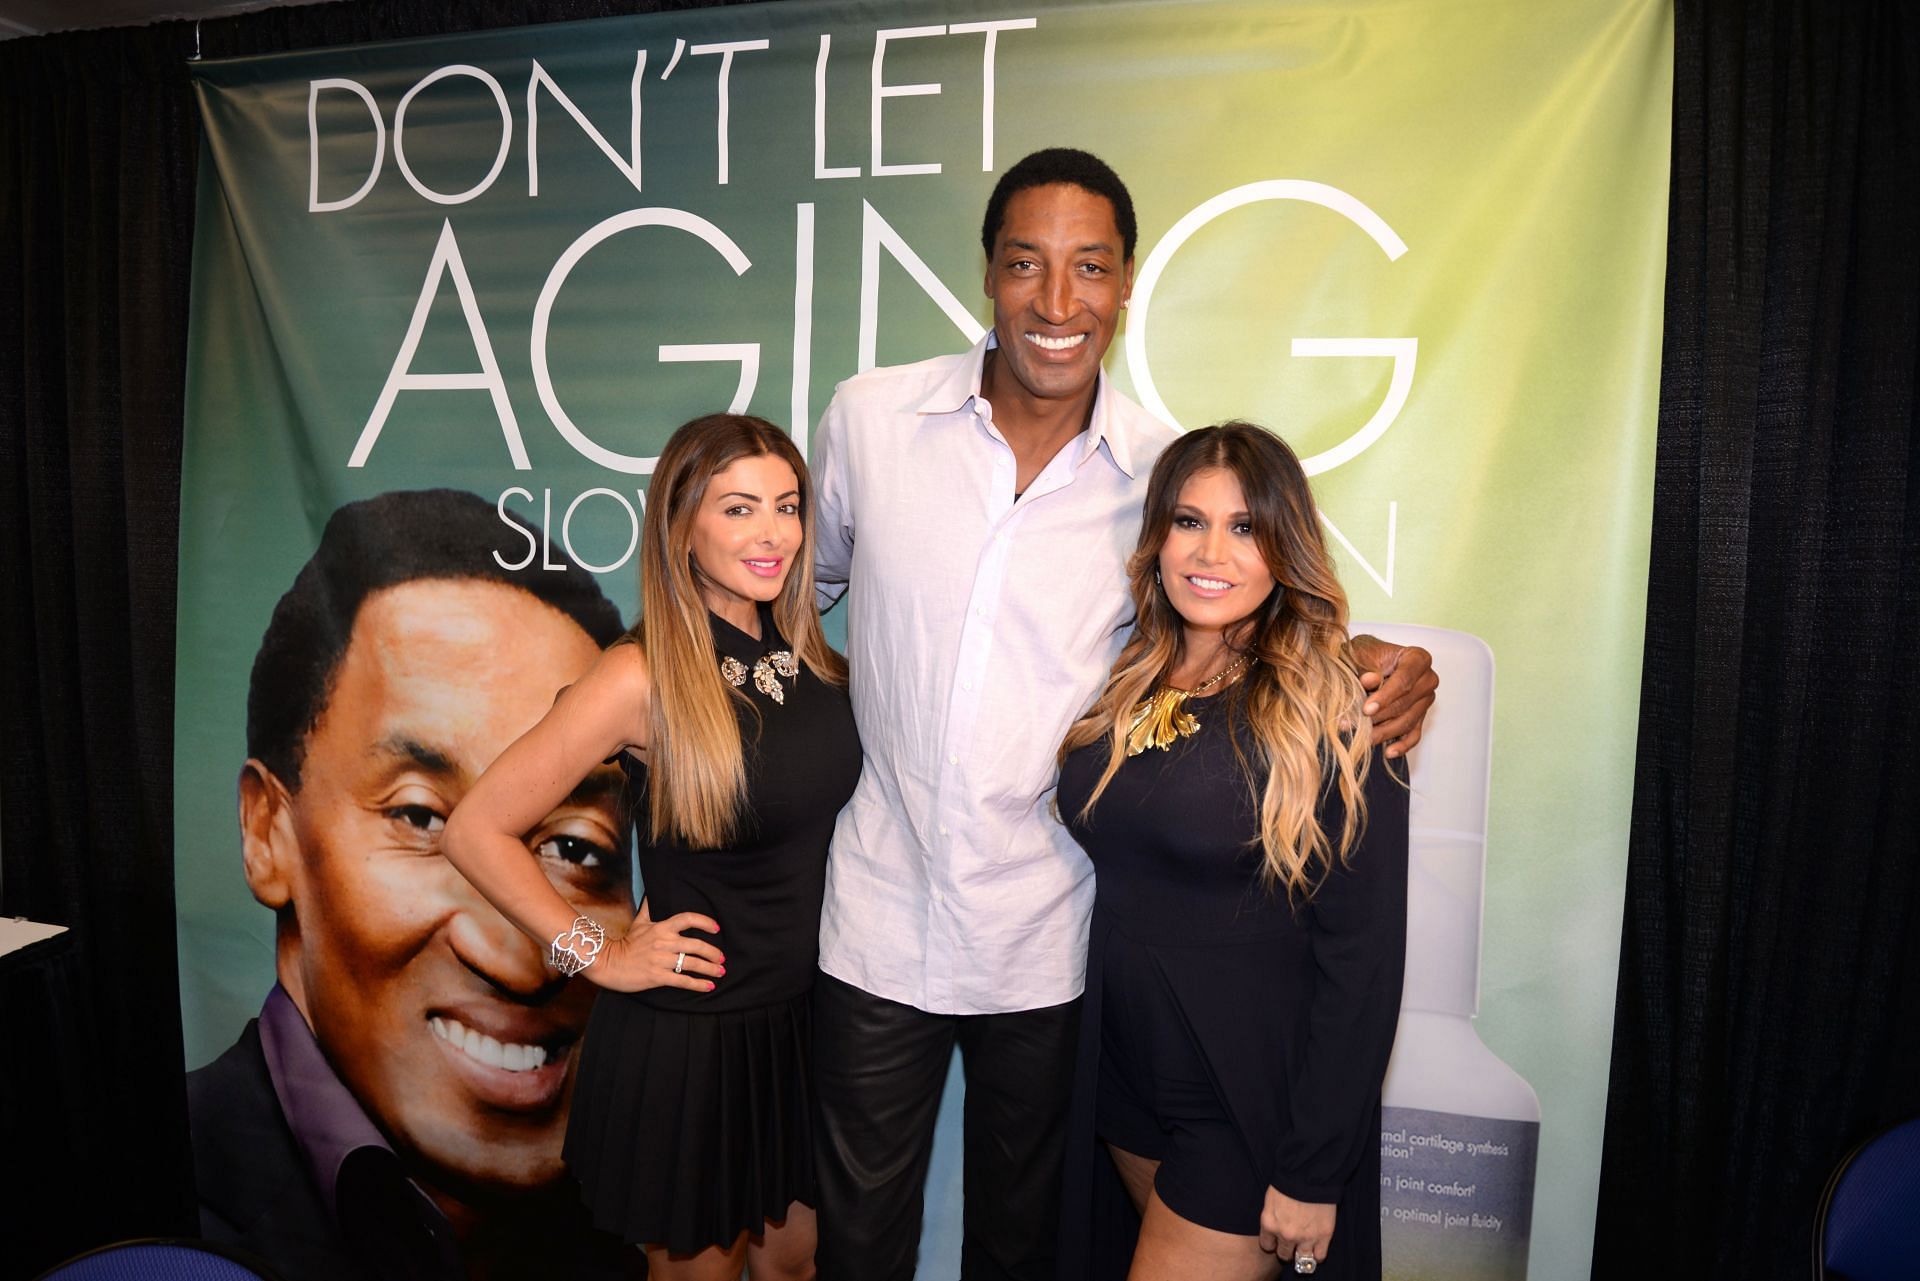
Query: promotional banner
x=453, y=295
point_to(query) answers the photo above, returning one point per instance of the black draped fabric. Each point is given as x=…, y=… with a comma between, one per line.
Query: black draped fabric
x=98, y=143
x=1769, y=991
x=95, y=205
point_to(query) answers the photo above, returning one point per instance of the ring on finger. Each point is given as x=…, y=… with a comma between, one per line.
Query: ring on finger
x=1304, y=1263
x=679, y=962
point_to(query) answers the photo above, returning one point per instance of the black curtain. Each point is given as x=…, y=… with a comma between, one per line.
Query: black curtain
x=96, y=176
x=1769, y=992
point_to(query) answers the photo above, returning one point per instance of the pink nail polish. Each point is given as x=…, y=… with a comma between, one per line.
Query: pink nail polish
x=709, y=985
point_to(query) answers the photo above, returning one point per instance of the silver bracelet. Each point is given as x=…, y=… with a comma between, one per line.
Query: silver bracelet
x=577, y=946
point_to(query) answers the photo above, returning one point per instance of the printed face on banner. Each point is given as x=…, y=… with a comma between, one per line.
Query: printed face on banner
x=439, y=1015
x=1058, y=277
x=746, y=533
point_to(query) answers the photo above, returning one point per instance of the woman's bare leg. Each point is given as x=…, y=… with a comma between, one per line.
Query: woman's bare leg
x=1136, y=1172
x=1175, y=1249
x=784, y=1251
x=715, y=1263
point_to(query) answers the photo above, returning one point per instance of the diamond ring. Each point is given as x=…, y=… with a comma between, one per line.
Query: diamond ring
x=679, y=962
x=1304, y=1264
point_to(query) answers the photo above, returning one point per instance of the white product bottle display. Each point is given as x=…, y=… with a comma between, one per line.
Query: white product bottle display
x=1460, y=1129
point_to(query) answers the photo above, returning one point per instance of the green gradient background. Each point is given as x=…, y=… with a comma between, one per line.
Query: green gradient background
x=1519, y=149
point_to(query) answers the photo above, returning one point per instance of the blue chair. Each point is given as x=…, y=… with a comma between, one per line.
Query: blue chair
x=1868, y=1224
x=161, y=1259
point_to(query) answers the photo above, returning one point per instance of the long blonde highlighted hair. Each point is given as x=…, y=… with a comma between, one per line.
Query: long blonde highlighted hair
x=1301, y=694
x=696, y=762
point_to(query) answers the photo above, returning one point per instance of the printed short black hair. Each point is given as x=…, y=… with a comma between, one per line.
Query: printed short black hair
x=395, y=538
x=1060, y=164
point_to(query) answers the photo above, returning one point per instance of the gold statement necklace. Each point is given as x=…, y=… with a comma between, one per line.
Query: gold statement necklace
x=1161, y=717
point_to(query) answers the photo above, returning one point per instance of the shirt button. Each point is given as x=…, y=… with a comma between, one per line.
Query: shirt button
x=953, y=760
x=938, y=897
x=943, y=829
x=967, y=686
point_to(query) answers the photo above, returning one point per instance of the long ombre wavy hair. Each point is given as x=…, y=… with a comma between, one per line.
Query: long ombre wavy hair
x=1301, y=694
x=696, y=763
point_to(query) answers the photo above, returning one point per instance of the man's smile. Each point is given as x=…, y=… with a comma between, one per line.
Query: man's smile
x=513, y=1056
x=504, y=1056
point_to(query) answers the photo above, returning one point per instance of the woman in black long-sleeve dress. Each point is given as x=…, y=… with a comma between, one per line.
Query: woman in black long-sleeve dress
x=1249, y=927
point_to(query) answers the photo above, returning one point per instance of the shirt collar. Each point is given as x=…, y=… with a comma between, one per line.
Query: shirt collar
x=733, y=643
x=328, y=1123
x=962, y=386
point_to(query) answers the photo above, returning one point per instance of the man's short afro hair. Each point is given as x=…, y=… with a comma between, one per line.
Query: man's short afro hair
x=1061, y=164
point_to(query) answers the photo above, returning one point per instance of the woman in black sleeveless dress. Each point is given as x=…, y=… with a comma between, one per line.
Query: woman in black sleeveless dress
x=691, y=1126
x=1249, y=926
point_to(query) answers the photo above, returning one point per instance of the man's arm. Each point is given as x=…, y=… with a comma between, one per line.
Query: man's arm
x=832, y=511
x=1402, y=682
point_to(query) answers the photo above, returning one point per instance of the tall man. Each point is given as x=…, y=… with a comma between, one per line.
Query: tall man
x=982, y=507
x=396, y=1111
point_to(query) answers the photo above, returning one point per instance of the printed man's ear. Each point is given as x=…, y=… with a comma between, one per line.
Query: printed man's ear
x=269, y=849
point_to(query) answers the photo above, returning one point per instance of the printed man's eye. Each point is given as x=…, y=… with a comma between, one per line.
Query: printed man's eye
x=418, y=817
x=573, y=849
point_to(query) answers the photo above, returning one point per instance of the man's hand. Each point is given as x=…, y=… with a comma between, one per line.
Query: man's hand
x=1402, y=682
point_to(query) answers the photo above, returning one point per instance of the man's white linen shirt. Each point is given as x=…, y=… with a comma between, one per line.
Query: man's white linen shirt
x=978, y=629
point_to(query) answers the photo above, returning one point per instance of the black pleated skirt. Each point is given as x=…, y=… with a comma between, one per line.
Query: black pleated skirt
x=688, y=1129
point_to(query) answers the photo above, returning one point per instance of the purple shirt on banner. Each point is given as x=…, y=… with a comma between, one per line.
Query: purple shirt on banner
x=380, y=1212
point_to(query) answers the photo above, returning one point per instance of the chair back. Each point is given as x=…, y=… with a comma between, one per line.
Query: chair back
x=160, y=1260
x=1868, y=1224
